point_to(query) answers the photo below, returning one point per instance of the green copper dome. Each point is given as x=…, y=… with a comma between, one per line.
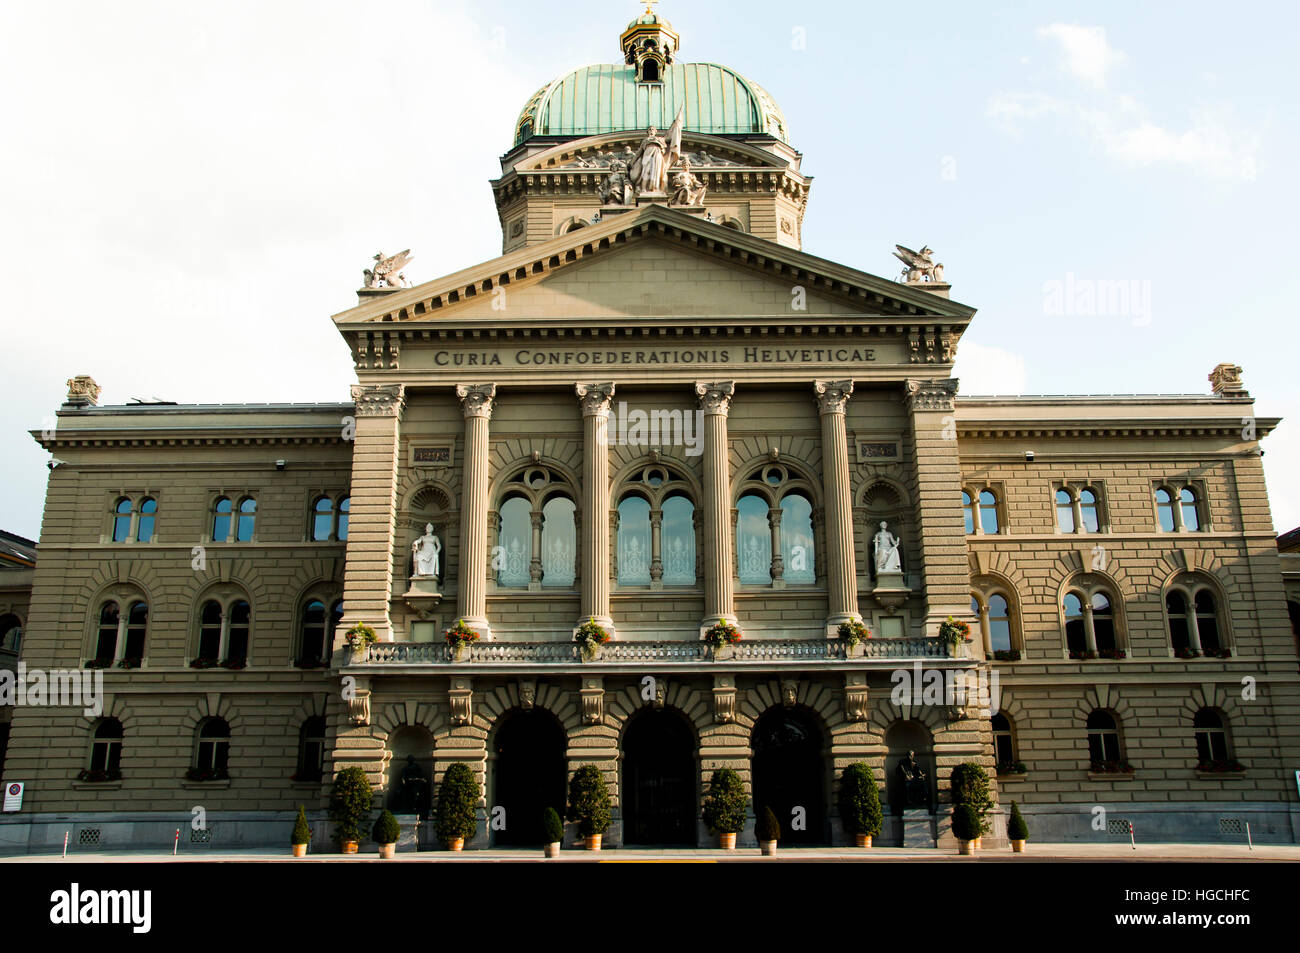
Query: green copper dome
x=606, y=98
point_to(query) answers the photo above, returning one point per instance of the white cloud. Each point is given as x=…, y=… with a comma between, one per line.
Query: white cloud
x=989, y=370
x=1086, y=53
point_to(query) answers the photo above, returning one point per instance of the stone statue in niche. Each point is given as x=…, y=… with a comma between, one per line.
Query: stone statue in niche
x=413, y=797
x=913, y=779
x=888, y=558
x=425, y=551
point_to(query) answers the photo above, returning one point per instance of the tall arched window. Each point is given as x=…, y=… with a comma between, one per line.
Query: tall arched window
x=316, y=638
x=537, y=534
x=1180, y=508
x=1103, y=623
x=1179, y=630
x=1091, y=628
x=797, y=546
x=222, y=511
x=1090, y=520
x=105, y=752
x=516, y=541
x=211, y=751
x=322, y=519
x=656, y=529
x=1211, y=740
x=1195, y=624
x=145, y=524
x=994, y=611
x=988, y=512
x=247, y=516
x=1004, y=745
x=775, y=544
x=311, y=750
x=345, y=509
x=120, y=638
x=753, y=541
x=106, y=639
x=1075, y=636
x=1190, y=512
x=678, y=541
x=634, y=542
x=999, y=623
x=1078, y=509
x=1164, y=510
x=1105, y=753
x=210, y=625
x=980, y=507
x=223, y=637
x=559, y=542
x=1064, y=511
x=968, y=512
x=122, y=513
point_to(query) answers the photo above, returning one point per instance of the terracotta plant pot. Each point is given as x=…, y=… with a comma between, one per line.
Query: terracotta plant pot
x=768, y=847
x=861, y=840
x=979, y=842
x=592, y=841
x=1017, y=847
x=300, y=850
x=553, y=850
x=727, y=841
x=349, y=847
x=456, y=843
x=965, y=847
x=386, y=851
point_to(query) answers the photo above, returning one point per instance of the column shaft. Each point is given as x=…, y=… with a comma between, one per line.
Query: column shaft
x=476, y=401
x=841, y=567
x=719, y=590
x=595, y=399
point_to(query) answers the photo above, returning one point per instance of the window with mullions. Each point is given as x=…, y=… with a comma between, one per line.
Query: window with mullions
x=1103, y=740
x=775, y=544
x=106, y=750
x=316, y=638
x=120, y=639
x=537, y=535
x=655, y=538
x=1179, y=509
x=211, y=750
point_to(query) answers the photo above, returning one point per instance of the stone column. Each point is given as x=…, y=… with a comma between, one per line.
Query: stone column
x=595, y=399
x=656, y=548
x=936, y=494
x=476, y=401
x=368, y=573
x=715, y=401
x=841, y=567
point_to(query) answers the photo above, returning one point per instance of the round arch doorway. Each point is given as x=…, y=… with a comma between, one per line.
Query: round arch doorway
x=790, y=773
x=529, y=772
x=660, y=780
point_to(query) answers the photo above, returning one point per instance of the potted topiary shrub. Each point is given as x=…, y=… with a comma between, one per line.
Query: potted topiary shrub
x=860, y=811
x=1017, y=830
x=553, y=830
x=457, y=806
x=350, y=807
x=301, y=836
x=385, y=834
x=589, y=804
x=768, y=831
x=970, y=785
x=724, y=806
x=965, y=827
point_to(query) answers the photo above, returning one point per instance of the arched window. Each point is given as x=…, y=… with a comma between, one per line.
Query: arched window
x=1103, y=623
x=678, y=541
x=753, y=541
x=1195, y=625
x=105, y=752
x=1104, y=750
x=516, y=541
x=106, y=640
x=1211, y=740
x=148, y=513
x=120, y=638
x=797, y=539
x=634, y=542
x=1075, y=635
x=1089, y=522
x=1176, y=610
x=122, y=511
x=211, y=751
x=11, y=635
x=1207, y=622
x=980, y=507
x=1064, y=511
x=1091, y=629
x=968, y=512
x=247, y=515
x=221, y=515
x=988, y=512
x=559, y=542
x=345, y=508
x=223, y=640
x=1164, y=510
x=1190, y=512
x=137, y=624
x=316, y=638
x=322, y=519
x=999, y=623
x=1004, y=745
x=311, y=750
x=993, y=609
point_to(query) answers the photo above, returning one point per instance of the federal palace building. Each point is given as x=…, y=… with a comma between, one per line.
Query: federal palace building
x=655, y=410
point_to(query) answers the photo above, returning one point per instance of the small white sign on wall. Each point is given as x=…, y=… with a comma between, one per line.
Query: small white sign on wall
x=13, y=796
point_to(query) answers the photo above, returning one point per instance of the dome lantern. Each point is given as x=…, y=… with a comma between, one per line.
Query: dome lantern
x=649, y=44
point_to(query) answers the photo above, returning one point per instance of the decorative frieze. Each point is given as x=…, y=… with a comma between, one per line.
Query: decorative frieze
x=930, y=394
x=378, y=400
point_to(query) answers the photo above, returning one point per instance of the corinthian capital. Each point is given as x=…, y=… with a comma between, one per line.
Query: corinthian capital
x=930, y=394
x=715, y=398
x=594, y=398
x=476, y=399
x=832, y=396
x=378, y=400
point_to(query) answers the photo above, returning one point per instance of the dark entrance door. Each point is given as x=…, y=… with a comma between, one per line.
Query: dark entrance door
x=659, y=780
x=789, y=773
x=530, y=774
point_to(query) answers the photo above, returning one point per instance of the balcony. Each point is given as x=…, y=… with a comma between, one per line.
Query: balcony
x=622, y=655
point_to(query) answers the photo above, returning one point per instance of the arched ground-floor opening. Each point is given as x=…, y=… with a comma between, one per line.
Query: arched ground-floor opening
x=528, y=776
x=789, y=774
x=909, y=767
x=410, y=771
x=660, y=796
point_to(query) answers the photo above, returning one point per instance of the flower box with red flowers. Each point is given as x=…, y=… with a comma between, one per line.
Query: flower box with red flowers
x=853, y=632
x=722, y=633
x=459, y=634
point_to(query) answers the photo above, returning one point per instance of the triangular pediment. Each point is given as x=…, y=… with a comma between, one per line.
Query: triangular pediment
x=654, y=262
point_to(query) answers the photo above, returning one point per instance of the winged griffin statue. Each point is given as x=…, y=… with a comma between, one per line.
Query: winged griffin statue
x=920, y=264
x=387, y=272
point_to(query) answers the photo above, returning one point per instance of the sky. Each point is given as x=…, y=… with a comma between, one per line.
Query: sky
x=189, y=190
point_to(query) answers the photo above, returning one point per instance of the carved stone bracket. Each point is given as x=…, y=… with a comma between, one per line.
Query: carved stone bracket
x=595, y=398
x=715, y=398
x=460, y=699
x=593, y=700
x=476, y=399
x=930, y=394
x=378, y=400
x=724, y=699
x=857, y=699
x=359, y=708
x=832, y=396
